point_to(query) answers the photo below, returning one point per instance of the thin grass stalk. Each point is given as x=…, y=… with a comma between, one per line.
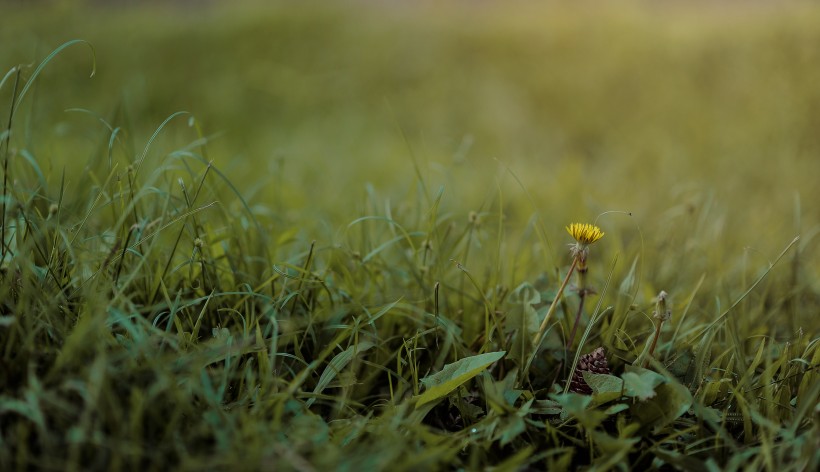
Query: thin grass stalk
x=6, y=167
x=541, y=329
x=582, y=294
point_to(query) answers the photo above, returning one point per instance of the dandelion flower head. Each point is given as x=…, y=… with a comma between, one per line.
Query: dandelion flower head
x=585, y=233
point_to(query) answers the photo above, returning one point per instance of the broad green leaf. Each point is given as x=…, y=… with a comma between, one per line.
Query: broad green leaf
x=605, y=388
x=440, y=384
x=636, y=386
x=672, y=399
x=577, y=406
x=682, y=363
x=572, y=402
x=679, y=399
x=640, y=382
x=525, y=294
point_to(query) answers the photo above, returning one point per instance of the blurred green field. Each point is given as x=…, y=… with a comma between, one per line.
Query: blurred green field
x=648, y=109
x=690, y=134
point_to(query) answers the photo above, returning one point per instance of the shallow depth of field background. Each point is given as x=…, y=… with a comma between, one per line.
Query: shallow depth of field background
x=703, y=122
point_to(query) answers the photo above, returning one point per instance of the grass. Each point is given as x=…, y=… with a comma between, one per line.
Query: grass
x=337, y=257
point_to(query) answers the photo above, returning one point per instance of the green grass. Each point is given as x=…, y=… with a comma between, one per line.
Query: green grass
x=337, y=256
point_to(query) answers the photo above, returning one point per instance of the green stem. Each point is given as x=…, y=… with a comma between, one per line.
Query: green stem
x=537, y=339
x=654, y=343
x=581, y=294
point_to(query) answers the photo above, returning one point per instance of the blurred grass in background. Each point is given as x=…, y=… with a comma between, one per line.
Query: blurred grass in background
x=654, y=109
x=595, y=107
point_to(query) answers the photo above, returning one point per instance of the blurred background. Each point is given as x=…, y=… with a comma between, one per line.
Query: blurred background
x=701, y=119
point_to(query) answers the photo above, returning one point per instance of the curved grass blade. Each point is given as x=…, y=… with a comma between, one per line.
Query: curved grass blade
x=48, y=59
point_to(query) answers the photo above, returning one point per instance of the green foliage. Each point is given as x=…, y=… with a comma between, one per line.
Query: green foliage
x=440, y=384
x=640, y=383
x=522, y=323
x=346, y=279
x=605, y=387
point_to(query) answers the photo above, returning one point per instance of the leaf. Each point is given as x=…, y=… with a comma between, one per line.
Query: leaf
x=605, y=387
x=440, y=384
x=308, y=428
x=30, y=409
x=682, y=364
x=572, y=402
x=511, y=428
x=525, y=294
x=671, y=401
x=636, y=386
x=640, y=382
x=679, y=399
x=616, y=408
x=336, y=365
x=577, y=406
x=502, y=393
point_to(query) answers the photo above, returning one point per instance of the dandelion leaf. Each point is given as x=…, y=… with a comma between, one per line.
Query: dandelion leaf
x=574, y=405
x=672, y=400
x=440, y=384
x=640, y=383
x=605, y=387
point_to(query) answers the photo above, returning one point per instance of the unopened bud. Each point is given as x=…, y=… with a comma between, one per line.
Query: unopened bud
x=662, y=313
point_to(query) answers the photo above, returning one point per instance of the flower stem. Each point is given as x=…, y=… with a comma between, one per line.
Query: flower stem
x=654, y=343
x=581, y=294
x=537, y=339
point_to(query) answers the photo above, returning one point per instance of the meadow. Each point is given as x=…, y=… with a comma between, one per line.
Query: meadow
x=337, y=236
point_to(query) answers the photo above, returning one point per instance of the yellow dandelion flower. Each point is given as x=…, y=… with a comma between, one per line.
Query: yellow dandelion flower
x=585, y=233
